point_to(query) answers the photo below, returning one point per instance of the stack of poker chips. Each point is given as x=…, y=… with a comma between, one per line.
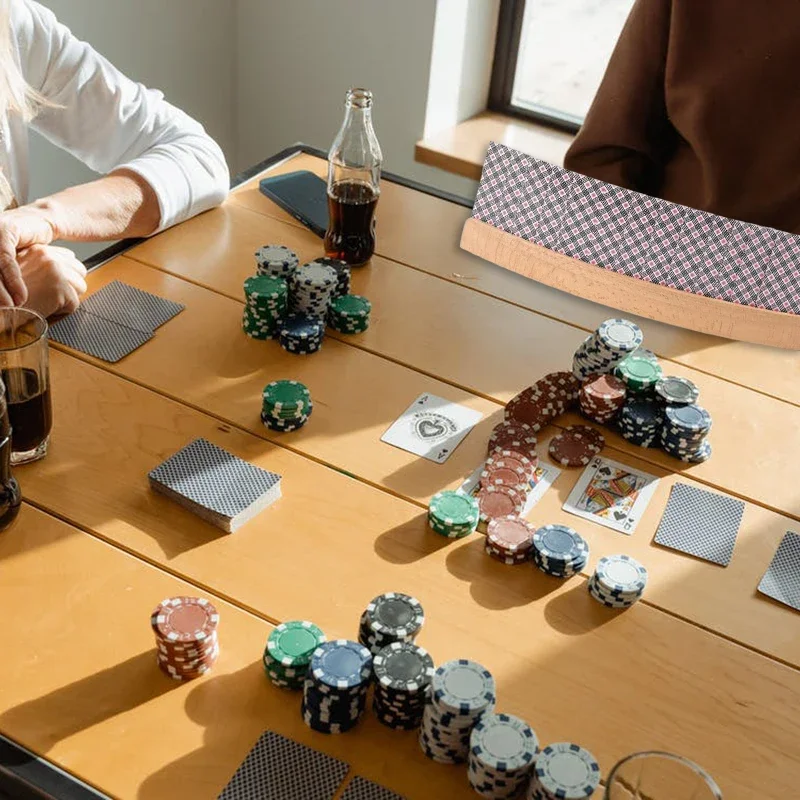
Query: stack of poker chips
x=576, y=446
x=266, y=302
x=509, y=539
x=349, y=313
x=391, y=617
x=312, y=288
x=603, y=350
x=300, y=334
x=342, y=272
x=186, y=636
x=509, y=468
x=564, y=771
x=640, y=421
x=403, y=673
x=276, y=260
x=285, y=405
x=684, y=432
x=618, y=581
x=676, y=391
x=502, y=755
x=548, y=398
x=639, y=373
x=500, y=501
x=601, y=398
x=559, y=551
x=462, y=692
x=513, y=436
x=453, y=514
x=336, y=686
x=287, y=655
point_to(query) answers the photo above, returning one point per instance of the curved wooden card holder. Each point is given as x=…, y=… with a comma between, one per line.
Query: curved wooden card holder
x=632, y=295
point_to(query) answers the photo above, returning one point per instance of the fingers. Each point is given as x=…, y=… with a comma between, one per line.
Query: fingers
x=13, y=290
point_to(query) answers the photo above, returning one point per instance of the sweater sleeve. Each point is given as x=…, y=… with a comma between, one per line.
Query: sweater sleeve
x=111, y=122
x=627, y=136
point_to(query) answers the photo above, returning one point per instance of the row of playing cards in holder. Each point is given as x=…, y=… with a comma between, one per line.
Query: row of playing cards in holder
x=114, y=321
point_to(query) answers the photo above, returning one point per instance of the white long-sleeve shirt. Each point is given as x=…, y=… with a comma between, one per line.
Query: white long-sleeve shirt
x=108, y=121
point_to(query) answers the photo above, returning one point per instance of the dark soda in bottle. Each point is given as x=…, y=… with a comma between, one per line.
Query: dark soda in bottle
x=354, y=174
x=10, y=495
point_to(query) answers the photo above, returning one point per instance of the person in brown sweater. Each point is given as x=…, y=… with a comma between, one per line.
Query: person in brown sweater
x=700, y=105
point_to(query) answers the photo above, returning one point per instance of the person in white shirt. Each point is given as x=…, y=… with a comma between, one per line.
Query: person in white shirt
x=159, y=165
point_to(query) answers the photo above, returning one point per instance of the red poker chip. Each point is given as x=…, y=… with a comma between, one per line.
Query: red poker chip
x=511, y=436
x=511, y=460
x=586, y=432
x=563, y=382
x=499, y=501
x=184, y=620
x=605, y=387
x=498, y=476
x=536, y=413
x=571, y=451
x=505, y=558
x=510, y=533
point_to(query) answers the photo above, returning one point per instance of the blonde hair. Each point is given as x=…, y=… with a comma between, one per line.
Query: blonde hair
x=16, y=95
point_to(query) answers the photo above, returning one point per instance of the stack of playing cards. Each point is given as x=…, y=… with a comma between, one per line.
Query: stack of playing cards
x=114, y=321
x=216, y=485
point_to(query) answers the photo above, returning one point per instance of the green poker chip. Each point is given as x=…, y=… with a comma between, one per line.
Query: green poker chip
x=265, y=287
x=293, y=643
x=639, y=373
x=286, y=394
x=351, y=305
x=453, y=514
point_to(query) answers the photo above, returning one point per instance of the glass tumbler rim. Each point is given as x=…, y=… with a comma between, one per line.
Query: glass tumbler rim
x=696, y=768
x=33, y=315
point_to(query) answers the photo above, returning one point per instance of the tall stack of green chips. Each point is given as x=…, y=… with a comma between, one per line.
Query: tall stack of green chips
x=285, y=405
x=288, y=653
x=639, y=373
x=453, y=514
x=266, y=303
x=349, y=313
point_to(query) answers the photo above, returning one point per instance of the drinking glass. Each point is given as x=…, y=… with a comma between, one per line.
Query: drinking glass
x=660, y=776
x=25, y=371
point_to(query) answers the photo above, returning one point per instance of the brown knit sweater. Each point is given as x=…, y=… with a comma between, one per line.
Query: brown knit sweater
x=700, y=105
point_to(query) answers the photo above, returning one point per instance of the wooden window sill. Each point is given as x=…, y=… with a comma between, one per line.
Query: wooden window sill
x=462, y=149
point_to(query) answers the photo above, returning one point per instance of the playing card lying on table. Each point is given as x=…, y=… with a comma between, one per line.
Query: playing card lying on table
x=216, y=485
x=362, y=789
x=134, y=308
x=781, y=581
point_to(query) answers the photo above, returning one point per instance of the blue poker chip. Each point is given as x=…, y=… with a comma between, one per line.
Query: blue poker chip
x=691, y=418
x=299, y=326
x=341, y=664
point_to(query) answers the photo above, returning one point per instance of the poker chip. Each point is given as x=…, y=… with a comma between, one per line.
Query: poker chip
x=677, y=391
x=603, y=350
x=559, y=551
x=540, y=404
x=640, y=375
x=349, y=314
x=312, y=288
x=601, y=398
x=503, y=750
x=618, y=581
x=564, y=771
x=508, y=468
x=500, y=501
x=513, y=436
x=301, y=334
x=683, y=435
x=640, y=421
x=185, y=630
x=453, y=514
x=509, y=540
x=403, y=672
x=276, y=260
x=342, y=269
x=390, y=617
x=571, y=449
x=285, y=405
x=266, y=303
x=288, y=652
x=336, y=686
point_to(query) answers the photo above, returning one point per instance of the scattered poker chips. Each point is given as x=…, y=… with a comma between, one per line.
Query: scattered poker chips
x=540, y=404
x=266, y=302
x=285, y=405
x=576, y=446
x=391, y=617
x=403, y=673
x=603, y=350
x=186, y=636
x=677, y=391
x=559, y=551
x=453, y=514
x=287, y=655
x=276, y=260
x=601, y=398
x=349, y=313
x=640, y=374
x=312, y=288
x=301, y=334
x=502, y=754
x=509, y=468
x=564, y=771
x=336, y=686
x=684, y=432
x=640, y=421
x=461, y=692
x=500, y=501
x=618, y=581
x=513, y=436
x=342, y=269
x=509, y=539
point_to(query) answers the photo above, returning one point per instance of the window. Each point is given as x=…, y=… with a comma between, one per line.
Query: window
x=551, y=55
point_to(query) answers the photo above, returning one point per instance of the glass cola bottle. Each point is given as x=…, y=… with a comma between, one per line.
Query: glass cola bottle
x=354, y=174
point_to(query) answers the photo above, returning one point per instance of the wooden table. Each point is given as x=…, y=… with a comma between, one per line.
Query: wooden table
x=703, y=666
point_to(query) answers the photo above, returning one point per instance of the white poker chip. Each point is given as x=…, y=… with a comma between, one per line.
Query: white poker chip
x=567, y=771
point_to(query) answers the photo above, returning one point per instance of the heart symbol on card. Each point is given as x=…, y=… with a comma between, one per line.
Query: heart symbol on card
x=430, y=429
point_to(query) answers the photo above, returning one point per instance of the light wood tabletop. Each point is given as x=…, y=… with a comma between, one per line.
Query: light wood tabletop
x=703, y=666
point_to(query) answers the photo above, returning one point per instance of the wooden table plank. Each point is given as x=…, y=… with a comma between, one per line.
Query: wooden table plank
x=108, y=493
x=83, y=690
x=493, y=350
x=424, y=231
x=659, y=681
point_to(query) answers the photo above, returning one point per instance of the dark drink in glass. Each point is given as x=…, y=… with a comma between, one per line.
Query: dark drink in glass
x=30, y=412
x=10, y=495
x=354, y=174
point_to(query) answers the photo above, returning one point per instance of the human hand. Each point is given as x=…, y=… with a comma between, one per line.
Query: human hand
x=54, y=278
x=20, y=228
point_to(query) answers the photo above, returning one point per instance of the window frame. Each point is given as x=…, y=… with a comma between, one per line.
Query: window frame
x=504, y=67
